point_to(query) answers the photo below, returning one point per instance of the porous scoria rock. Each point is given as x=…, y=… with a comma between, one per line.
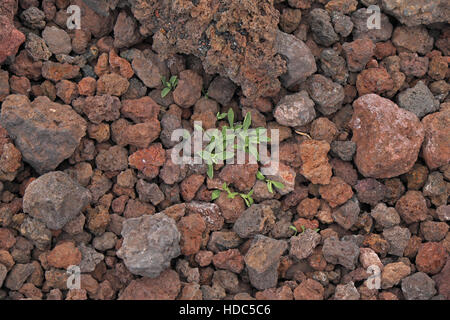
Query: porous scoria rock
x=55, y=199
x=149, y=243
x=302, y=246
x=419, y=100
x=258, y=219
x=10, y=38
x=165, y=287
x=343, y=252
x=46, y=133
x=416, y=12
x=418, y=286
x=393, y=273
x=315, y=166
x=234, y=38
x=262, y=261
x=436, y=145
x=295, y=110
x=388, y=138
x=299, y=59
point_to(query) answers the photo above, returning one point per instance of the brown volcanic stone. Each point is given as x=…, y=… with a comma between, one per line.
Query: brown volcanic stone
x=46, y=133
x=64, y=255
x=412, y=207
x=336, y=193
x=315, y=166
x=374, y=80
x=309, y=289
x=388, y=138
x=431, y=257
x=227, y=37
x=148, y=160
x=165, y=287
x=10, y=38
x=436, y=145
x=191, y=228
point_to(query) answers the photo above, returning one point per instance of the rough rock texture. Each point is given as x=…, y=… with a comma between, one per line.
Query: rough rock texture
x=436, y=145
x=55, y=199
x=45, y=132
x=295, y=110
x=262, y=260
x=150, y=242
x=226, y=36
x=416, y=12
x=387, y=138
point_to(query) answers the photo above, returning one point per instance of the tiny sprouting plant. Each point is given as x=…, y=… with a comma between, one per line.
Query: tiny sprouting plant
x=168, y=85
x=270, y=183
x=205, y=93
x=230, y=194
x=247, y=198
x=303, y=230
x=215, y=194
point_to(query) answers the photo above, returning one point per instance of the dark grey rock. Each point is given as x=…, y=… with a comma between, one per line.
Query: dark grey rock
x=385, y=216
x=321, y=27
x=149, y=244
x=327, y=94
x=149, y=192
x=299, y=59
x=398, y=239
x=360, y=30
x=258, y=219
x=55, y=199
x=342, y=252
x=302, y=246
x=418, y=286
x=262, y=261
x=419, y=100
x=18, y=275
x=345, y=150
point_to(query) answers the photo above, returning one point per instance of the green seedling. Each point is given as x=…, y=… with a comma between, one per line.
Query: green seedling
x=296, y=231
x=215, y=194
x=168, y=85
x=247, y=198
x=230, y=194
x=270, y=183
x=205, y=93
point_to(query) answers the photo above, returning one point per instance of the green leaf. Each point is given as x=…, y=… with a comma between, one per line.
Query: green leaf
x=231, y=117
x=295, y=230
x=215, y=194
x=227, y=155
x=224, y=186
x=210, y=171
x=317, y=230
x=269, y=186
x=231, y=195
x=165, y=92
x=278, y=185
x=173, y=81
x=260, y=176
x=247, y=121
x=253, y=151
x=221, y=116
x=163, y=80
x=303, y=228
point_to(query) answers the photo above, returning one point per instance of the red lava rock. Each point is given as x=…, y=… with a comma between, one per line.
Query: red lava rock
x=64, y=255
x=140, y=110
x=358, y=53
x=306, y=223
x=307, y=208
x=412, y=207
x=231, y=208
x=436, y=147
x=431, y=257
x=385, y=148
x=58, y=71
x=413, y=65
x=188, y=90
x=315, y=166
x=25, y=66
x=374, y=80
x=231, y=260
x=190, y=186
x=442, y=280
x=414, y=39
x=126, y=31
x=112, y=84
x=120, y=65
x=204, y=258
x=309, y=289
x=337, y=192
x=323, y=129
x=66, y=90
x=165, y=287
x=370, y=191
x=139, y=135
x=10, y=38
x=148, y=160
x=20, y=85
x=7, y=239
x=242, y=176
x=384, y=49
x=438, y=67
x=191, y=228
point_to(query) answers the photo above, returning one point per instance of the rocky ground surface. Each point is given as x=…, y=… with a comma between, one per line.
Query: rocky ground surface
x=87, y=180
